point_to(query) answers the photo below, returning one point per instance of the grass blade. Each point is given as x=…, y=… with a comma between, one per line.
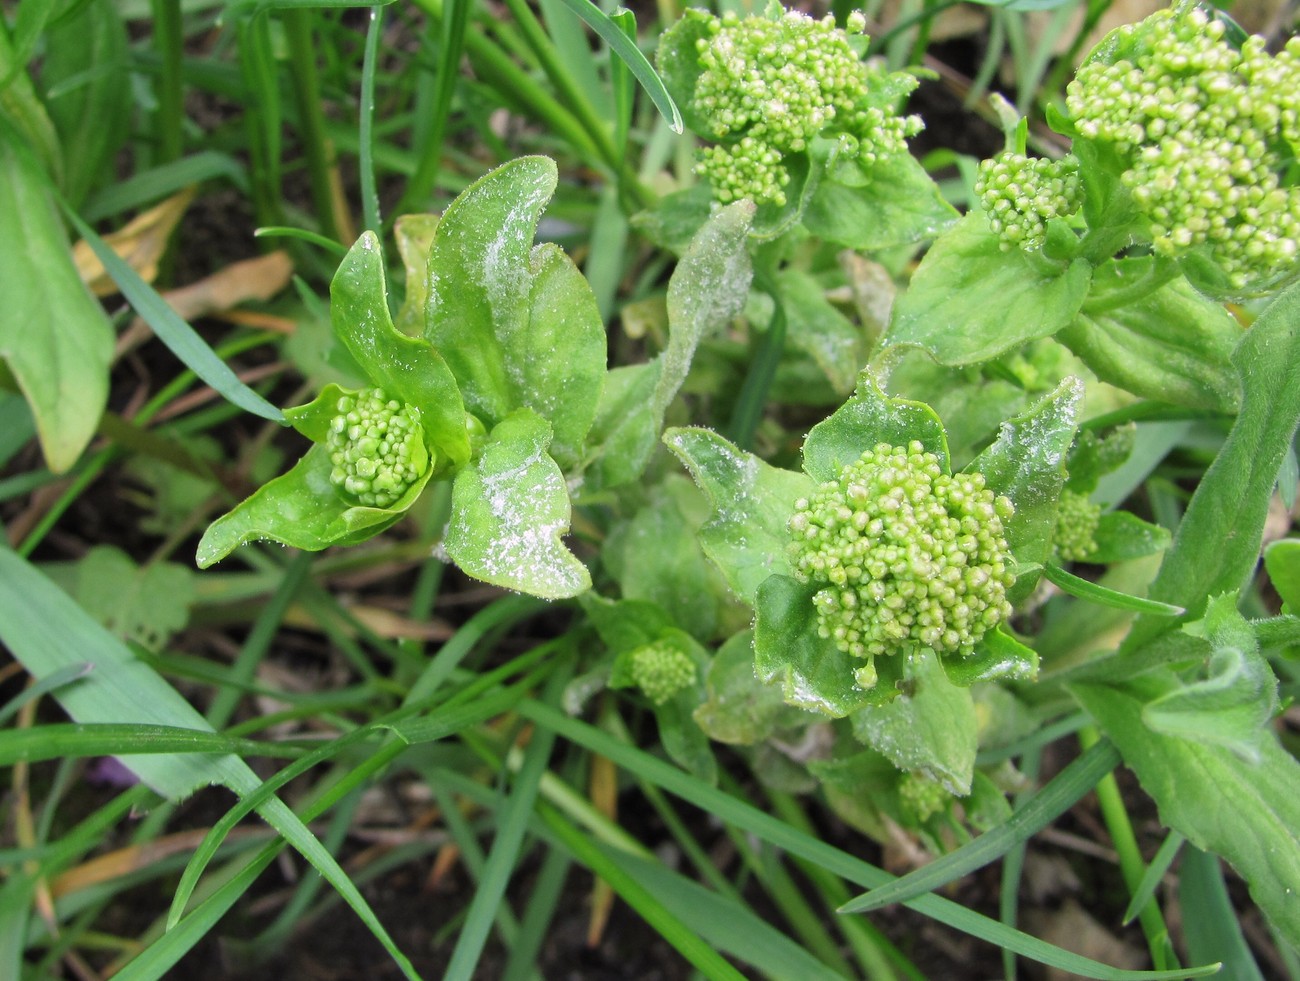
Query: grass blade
x=727, y=808
x=637, y=63
x=173, y=331
x=1042, y=809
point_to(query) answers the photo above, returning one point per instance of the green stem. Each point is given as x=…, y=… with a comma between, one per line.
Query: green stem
x=316, y=144
x=1162, y=271
x=762, y=371
x=451, y=43
x=1131, y=864
x=169, y=40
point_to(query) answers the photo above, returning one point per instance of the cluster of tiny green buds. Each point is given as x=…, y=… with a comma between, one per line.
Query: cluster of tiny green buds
x=1077, y=519
x=769, y=86
x=376, y=448
x=1207, y=133
x=661, y=670
x=1021, y=194
x=910, y=556
x=921, y=798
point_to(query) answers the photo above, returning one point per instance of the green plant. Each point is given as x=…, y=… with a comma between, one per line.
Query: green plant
x=832, y=508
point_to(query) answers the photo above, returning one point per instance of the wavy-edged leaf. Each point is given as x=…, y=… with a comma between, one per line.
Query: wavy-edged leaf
x=748, y=534
x=969, y=301
x=868, y=418
x=1247, y=812
x=404, y=367
x=509, y=511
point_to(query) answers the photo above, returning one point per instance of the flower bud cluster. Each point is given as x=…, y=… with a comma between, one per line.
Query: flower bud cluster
x=1207, y=133
x=376, y=447
x=921, y=797
x=910, y=556
x=1077, y=520
x=1021, y=194
x=769, y=86
x=661, y=671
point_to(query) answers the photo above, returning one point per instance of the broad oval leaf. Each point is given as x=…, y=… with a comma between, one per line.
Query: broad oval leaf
x=509, y=510
x=404, y=367
x=748, y=535
x=969, y=301
x=868, y=418
x=479, y=279
x=54, y=336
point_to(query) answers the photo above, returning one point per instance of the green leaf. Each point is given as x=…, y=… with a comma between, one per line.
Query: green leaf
x=623, y=435
x=930, y=728
x=1247, y=812
x=82, y=69
x=1027, y=464
x=414, y=237
x=739, y=709
x=868, y=418
x=1168, y=343
x=1211, y=924
x=1121, y=536
x=557, y=361
x=969, y=301
x=302, y=509
x=509, y=509
x=144, y=604
x=406, y=368
x=480, y=280
x=22, y=113
x=707, y=288
x=1093, y=592
x=1282, y=560
x=678, y=60
x=1217, y=543
x=814, y=674
x=1093, y=456
x=997, y=657
x=816, y=326
x=656, y=556
x=54, y=337
x=897, y=204
x=748, y=534
x=1235, y=701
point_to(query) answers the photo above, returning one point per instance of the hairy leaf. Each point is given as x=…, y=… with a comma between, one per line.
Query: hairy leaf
x=969, y=301
x=509, y=510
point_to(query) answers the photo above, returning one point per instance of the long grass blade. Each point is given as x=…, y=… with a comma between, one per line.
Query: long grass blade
x=1040, y=810
x=727, y=808
x=640, y=66
x=179, y=336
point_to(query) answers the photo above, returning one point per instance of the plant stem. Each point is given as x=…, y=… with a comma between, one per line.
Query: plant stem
x=322, y=166
x=1131, y=864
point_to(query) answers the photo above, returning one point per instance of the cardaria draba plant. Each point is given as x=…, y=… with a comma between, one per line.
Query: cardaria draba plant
x=1020, y=194
x=376, y=447
x=1206, y=134
x=907, y=556
x=773, y=84
x=661, y=670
